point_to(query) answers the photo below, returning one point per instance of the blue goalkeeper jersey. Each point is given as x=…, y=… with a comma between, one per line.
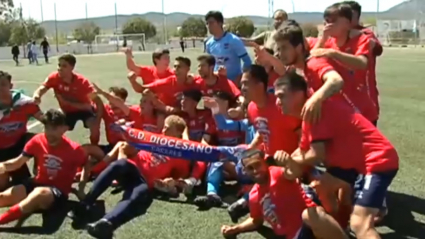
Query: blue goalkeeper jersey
x=229, y=51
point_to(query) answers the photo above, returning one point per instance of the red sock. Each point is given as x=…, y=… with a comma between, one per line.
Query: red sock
x=14, y=213
x=99, y=167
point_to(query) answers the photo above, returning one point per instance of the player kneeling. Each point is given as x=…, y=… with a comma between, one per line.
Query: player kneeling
x=137, y=176
x=57, y=158
x=280, y=200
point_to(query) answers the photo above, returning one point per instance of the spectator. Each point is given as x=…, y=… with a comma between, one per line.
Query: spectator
x=45, y=47
x=15, y=54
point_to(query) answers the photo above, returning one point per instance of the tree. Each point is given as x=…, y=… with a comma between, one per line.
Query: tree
x=193, y=27
x=5, y=32
x=139, y=25
x=26, y=30
x=241, y=26
x=5, y=6
x=86, y=32
x=310, y=30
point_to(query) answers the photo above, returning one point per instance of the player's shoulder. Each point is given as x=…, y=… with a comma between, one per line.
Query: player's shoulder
x=69, y=142
x=38, y=138
x=253, y=194
x=53, y=76
x=317, y=63
x=209, y=40
x=79, y=77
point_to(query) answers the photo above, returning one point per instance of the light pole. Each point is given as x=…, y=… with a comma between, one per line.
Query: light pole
x=164, y=24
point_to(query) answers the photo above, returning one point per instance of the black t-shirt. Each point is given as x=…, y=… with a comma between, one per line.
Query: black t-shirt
x=45, y=45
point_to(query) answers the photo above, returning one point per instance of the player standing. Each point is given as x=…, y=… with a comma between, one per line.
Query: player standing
x=348, y=144
x=227, y=48
x=75, y=96
x=15, y=112
x=159, y=70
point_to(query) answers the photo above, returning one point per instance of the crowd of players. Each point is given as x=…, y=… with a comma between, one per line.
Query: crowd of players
x=305, y=102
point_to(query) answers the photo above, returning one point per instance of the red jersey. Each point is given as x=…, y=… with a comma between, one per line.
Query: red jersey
x=77, y=91
x=200, y=125
x=13, y=124
x=355, y=81
x=143, y=122
x=169, y=91
x=280, y=203
x=273, y=76
x=371, y=83
x=109, y=119
x=56, y=166
x=150, y=74
x=277, y=130
x=153, y=166
x=352, y=142
x=222, y=84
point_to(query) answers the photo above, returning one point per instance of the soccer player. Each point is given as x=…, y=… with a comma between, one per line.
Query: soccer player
x=274, y=130
x=111, y=114
x=273, y=72
x=346, y=142
x=169, y=90
x=266, y=38
x=227, y=48
x=217, y=170
x=212, y=81
x=159, y=70
x=351, y=52
x=279, y=199
x=75, y=96
x=377, y=51
x=138, y=176
x=320, y=74
x=57, y=158
x=15, y=111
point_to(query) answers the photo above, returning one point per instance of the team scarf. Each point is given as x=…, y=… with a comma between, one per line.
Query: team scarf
x=179, y=148
x=18, y=99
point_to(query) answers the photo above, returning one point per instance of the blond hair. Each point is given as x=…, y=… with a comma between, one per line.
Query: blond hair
x=177, y=122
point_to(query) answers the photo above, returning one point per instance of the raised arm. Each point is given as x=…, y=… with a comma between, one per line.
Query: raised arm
x=113, y=100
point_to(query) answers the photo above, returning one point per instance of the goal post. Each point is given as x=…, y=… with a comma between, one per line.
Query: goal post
x=113, y=42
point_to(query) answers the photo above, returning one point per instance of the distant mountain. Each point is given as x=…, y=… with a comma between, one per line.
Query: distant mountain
x=412, y=9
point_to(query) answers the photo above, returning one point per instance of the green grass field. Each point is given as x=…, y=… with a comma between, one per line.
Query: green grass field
x=401, y=83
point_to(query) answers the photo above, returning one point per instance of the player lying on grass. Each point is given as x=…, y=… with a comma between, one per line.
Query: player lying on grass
x=75, y=96
x=279, y=199
x=57, y=158
x=138, y=176
x=218, y=171
x=15, y=111
x=348, y=144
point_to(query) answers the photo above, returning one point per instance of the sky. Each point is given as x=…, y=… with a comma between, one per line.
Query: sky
x=75, y=9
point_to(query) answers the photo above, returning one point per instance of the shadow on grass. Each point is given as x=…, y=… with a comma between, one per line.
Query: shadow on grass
x=400, y=218
x=97, y=212
x=51, y=222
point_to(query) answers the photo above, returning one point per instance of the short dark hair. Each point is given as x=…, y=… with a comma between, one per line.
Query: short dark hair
x=183, y=60
x=340, y=10
x=158, y=53
x=69, y=58
x=216, y=15
x=193, y=94
x=222, y=95
x=54, y=117
x=210, y=59
x=355, y=6
x=260, y=75
x=119, y=91
x=5, y=75
x=293, y=80
x=251, y=152
x=290, y=31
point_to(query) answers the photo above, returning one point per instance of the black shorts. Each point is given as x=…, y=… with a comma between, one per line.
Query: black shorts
x=60, y=199
x=21, y=174
x=106, y=148
x=73, y=117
